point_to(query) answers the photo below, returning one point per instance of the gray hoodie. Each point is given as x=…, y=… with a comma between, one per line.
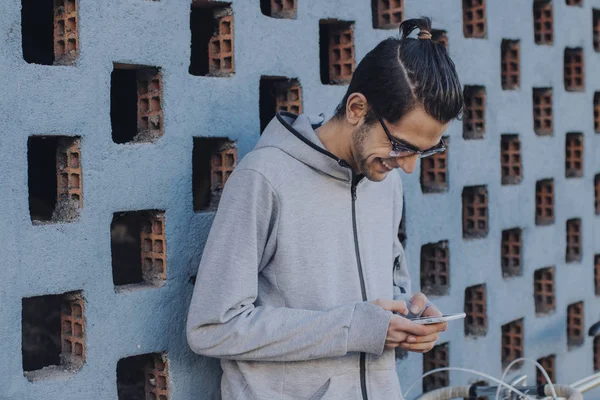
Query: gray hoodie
x=295, y=252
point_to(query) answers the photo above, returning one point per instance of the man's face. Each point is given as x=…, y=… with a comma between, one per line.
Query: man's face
x=372, y=146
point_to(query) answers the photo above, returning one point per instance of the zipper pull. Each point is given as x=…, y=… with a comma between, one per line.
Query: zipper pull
x=353, y=192
x=343, y=163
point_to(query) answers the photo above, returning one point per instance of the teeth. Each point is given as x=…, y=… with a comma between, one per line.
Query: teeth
x=386, y=165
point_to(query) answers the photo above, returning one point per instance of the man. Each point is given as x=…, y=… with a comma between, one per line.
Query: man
x=302, y=287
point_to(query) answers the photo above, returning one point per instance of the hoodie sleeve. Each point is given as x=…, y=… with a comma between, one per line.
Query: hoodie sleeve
x=224, y=318
x=402, y=284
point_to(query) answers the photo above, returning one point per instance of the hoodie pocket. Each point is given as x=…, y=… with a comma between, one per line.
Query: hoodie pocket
x=339, y=387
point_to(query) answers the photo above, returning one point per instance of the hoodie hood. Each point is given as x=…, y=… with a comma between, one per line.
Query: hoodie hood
x=295, y=135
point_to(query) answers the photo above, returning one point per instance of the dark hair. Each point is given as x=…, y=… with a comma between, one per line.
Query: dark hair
x=402, y=73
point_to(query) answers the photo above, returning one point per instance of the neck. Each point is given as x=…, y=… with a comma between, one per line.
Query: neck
x=336, y=136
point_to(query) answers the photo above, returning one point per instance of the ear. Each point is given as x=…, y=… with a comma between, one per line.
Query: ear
x=356, y=108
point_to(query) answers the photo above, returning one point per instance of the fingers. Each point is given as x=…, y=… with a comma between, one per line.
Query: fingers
x=398, y=306
x=432, y=311
x=418, y=303
x=405, y=325
x=417, y=347
x=423, y=339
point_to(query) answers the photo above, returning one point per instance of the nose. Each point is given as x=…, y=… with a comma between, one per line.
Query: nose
x=408, y=163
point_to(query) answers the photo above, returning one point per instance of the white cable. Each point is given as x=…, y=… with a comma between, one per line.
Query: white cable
x=509, y=387
x=554, y=396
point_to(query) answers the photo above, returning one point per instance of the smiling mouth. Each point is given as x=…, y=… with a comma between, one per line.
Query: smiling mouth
x=385, y=165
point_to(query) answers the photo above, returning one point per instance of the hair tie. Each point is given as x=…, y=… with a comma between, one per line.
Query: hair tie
x=424, y=35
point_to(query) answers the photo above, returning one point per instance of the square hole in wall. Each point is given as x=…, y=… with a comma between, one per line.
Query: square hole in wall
x=542, y=111
x=278, y=94
x=387, y=14
x=138, y=248
x=596, y=353
x=574, y=2
x=336, y=43
x=53, y=335
x=475, y=211
x=476, y=310
x=575, y=325
x=574, y=155
x=54, y=178
x=511, y=164
x=474, y=19
x=402, y=237
x=512, y=342
x=213, y=161
x=438, y=357
x=544, y=202
x=596, y=28
x=143, y=377
x=511, y=249
x=597, y=193
x=510, y=73
x=474, y=112
x=435, y=268
x=212, y=48
x=543, y=22
x=543, y=291
x=136, y=113
x=279, y=8
x=49, y=31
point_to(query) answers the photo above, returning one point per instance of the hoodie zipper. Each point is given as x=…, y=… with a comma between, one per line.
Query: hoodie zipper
x=362, y=362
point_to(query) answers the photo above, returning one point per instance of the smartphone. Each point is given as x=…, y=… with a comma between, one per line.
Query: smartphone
x=437, y=320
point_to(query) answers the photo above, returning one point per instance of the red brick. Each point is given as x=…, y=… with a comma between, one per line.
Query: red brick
x=510, y=71
x=157, y=378
x=574, y=69
x=438, y=357
x=440, y=36
x=597, y=274
x=575, y=324
x=72, y=330
x=474, y=19
x=68, y=171
x=548, y=363
x=476, y=310
x=596, y=29
x=574, y=155
x=387, y=14
x=154, y=252
x=434, y=172
x=544, y=202
x=574, y=2
x=510, y=160
x=66, y=36
x=511, y=252
x=597, y=112
x=222, y=165
x=220, y=50
x=573, y=240
x=288, y=96
x=543, y=22
x=475, y=213
x=149, y=91
x=542, y=111
x=512, y=341
x=543, y=291
x=597, y=353
x=435, y=268
x=474, y=112
x=341, y=53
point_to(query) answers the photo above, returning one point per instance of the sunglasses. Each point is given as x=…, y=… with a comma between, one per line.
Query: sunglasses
x=401, y=149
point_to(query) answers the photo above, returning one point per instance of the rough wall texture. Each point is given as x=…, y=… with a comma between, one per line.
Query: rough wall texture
x=74, y=100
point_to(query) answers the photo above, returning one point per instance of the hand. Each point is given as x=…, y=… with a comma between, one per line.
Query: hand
x=401, y=329
x=422, y=344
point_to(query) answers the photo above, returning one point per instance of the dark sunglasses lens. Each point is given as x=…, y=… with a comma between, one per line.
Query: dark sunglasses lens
x=432, y=152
